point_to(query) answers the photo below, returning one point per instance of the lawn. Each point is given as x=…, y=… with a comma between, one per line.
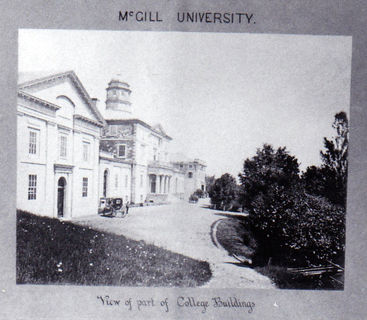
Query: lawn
x=50, y=251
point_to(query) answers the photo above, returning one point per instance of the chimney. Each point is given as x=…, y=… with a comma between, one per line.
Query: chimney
x=95, y=102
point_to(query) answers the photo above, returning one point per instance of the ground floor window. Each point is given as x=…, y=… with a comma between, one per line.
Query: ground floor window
x=85, y=187
x=32, y=187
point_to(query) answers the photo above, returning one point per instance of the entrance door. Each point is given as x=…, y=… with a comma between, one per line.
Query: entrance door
x=61, y=186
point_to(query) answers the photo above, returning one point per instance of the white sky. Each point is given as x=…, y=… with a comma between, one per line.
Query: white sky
x=218, y=95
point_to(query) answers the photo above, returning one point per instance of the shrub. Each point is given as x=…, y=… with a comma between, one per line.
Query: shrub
x=193, y=198
x=298, y=229
x=199, y=193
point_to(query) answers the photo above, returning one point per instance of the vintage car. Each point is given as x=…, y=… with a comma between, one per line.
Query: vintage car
x=111, y=207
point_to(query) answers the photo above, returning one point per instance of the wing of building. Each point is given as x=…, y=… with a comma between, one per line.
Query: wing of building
x=69, y=156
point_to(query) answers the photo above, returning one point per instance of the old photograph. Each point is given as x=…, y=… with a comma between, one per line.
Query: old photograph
x=182, y=159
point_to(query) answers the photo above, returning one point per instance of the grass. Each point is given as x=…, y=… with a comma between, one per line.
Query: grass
x=50, y=251
x=234, y=235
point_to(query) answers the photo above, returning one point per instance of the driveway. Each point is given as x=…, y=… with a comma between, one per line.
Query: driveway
x=183, y=228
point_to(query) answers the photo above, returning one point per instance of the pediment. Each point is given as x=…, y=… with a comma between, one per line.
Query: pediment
x=158, y=128
x=63, y=89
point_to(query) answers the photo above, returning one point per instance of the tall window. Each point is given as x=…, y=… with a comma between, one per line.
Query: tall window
x=86, y=146
x=32, y=187
x=126, y=181
x=33, y=137
x=190, y=174
x=121, y=150
x=85, y=187
x=141, y=180
x=63, y=146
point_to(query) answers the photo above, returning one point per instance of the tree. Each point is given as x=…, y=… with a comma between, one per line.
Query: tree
x=223, y=192
x=335, y=161
x=330, y=180
x=267, y=169
x=291, y=226
x=209, y=182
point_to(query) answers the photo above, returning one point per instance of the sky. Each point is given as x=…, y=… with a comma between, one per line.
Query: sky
x=220, y=96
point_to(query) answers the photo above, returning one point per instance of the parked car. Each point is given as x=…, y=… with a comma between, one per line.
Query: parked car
x=111, y=207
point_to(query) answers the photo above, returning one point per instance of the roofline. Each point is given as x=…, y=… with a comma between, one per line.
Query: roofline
x=45, y=103
x=85, y=119
x=141, y=122
x=74, y=78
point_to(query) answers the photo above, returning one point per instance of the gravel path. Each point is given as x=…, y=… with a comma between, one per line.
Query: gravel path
x=186, y=229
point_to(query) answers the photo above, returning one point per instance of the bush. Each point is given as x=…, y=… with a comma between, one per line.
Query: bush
x=298, y=229
x=193, y=198
x=199, y=193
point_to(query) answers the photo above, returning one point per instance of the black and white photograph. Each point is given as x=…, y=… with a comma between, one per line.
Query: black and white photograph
x=182, y=159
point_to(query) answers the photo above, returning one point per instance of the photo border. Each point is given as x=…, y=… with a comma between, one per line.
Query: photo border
x=279, y=17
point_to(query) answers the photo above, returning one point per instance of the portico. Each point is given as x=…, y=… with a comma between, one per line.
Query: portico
x=159, y=183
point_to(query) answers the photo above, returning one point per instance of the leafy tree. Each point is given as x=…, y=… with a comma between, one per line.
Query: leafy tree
x=209, y=182
x=330, y=180
x=268, y=168
x=223, y=192
x=292, y=226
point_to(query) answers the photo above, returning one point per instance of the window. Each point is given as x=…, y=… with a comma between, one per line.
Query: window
x=121, y=150
x=141, y=198
x=141, y=180
x=113, y=129
x=33, y=138
x=85, y=187
x=126, y=181
x=116, y=181
x=32, y=187
x=86, y=146
x=190, y=175
x=63, y=146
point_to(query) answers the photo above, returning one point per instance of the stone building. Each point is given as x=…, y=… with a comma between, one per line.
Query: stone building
x=69, y=156
x=58, y=132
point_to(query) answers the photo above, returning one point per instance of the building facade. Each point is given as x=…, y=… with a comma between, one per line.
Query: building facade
x=58, y=133
x=69, y=156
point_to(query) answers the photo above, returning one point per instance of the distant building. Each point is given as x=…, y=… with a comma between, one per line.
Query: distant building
x=69, y=156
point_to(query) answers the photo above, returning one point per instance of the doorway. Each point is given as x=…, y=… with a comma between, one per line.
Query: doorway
x=61, y=188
